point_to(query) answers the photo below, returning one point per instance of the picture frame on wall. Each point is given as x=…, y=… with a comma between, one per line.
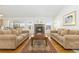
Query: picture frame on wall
x=70, y=18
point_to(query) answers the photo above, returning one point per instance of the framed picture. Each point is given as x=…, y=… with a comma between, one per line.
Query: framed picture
x=70, y=19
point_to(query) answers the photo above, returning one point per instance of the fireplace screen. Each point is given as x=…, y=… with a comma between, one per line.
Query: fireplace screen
x=39, y=28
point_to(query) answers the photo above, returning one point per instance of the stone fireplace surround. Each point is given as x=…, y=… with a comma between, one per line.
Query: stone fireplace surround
x=39, y=28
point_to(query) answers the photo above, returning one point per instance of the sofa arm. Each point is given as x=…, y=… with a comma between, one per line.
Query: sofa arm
x=7, y=41
x=71, y=41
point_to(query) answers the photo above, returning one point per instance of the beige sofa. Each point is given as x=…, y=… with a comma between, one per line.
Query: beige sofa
x=11, y=39
x=69, y=39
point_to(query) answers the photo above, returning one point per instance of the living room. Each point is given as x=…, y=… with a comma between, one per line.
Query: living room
x=27, y=21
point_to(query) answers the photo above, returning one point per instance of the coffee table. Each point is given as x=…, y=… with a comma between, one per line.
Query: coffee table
x=39, y=41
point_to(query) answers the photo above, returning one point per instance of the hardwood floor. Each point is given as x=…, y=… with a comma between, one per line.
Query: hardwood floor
x=40, y=47
x=25, y=47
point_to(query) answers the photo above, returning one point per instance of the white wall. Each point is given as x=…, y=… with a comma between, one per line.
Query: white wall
x=58, y=22
x=33, y=20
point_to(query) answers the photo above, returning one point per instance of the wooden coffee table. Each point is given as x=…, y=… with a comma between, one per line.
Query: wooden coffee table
x=39, y=41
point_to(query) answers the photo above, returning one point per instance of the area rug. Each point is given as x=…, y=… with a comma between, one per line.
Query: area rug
x=48, y=49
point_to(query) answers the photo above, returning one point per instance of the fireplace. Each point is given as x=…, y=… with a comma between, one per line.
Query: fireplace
x=39, y=28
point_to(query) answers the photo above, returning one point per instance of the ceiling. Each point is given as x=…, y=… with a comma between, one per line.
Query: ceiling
x=30, y=10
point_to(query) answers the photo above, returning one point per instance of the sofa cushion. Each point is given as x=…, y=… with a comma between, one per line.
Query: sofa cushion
x=5, y=32
x=19, y=30
x=14, y=31
x=64, y=32
x=25, y=31
x=61, y=38
x=19, y=38
x=24, y=35
x=59, y=30
x=74, y=32
x=55, y=34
